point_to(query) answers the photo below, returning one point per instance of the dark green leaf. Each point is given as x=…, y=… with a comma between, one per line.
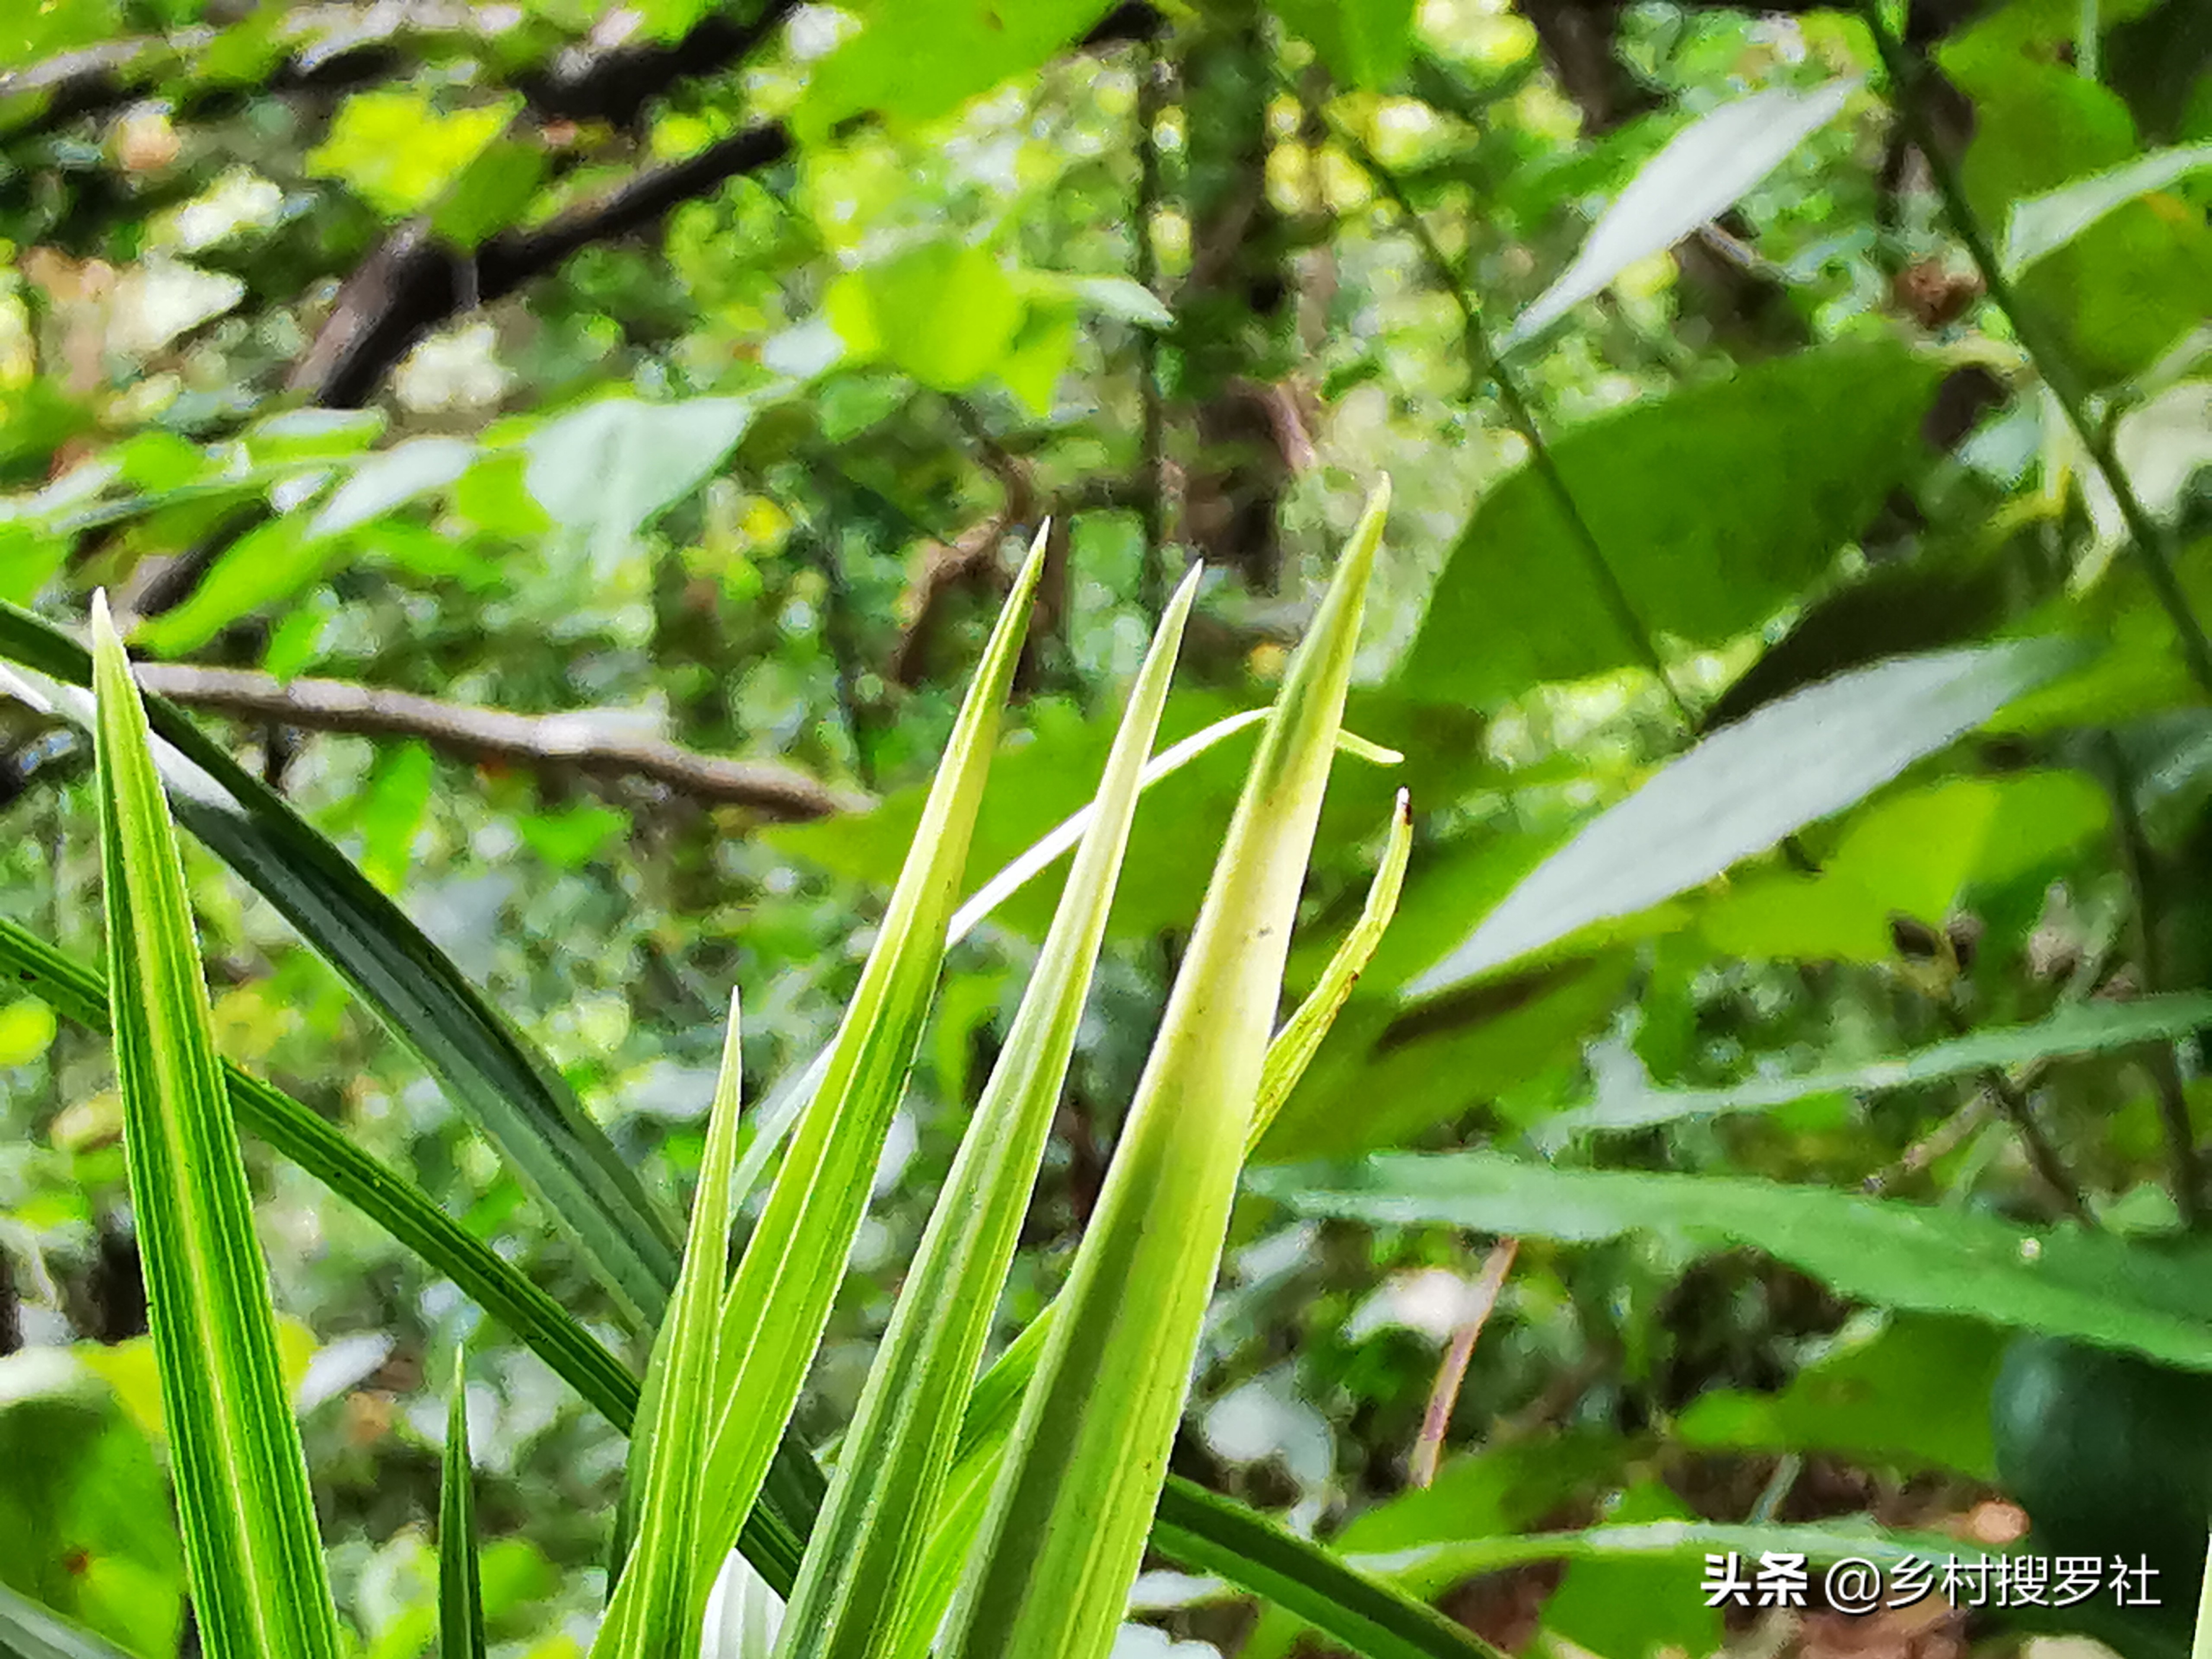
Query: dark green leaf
x=1745, y=787
x=1714, y=507
x=2153, y=1298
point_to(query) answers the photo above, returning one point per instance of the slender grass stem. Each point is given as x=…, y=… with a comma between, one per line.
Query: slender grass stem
x=1907, y=75
x=1483, y=364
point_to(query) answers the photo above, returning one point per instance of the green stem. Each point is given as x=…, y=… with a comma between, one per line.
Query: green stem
x=2137, y=863
x=1484, y=364
x=1907, y=74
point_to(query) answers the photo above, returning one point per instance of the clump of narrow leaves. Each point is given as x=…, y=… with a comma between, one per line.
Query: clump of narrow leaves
x=1003, y=1514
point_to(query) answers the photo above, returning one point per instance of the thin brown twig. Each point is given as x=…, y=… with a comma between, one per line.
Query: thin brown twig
x=585, y=740
x=1428, y=1450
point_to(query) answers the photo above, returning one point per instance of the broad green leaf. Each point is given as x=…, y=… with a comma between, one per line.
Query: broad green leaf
x=993, y=1406
x=1365, y=43
x=945, y=313
x=390, y=479
x=259, y=1584
x=514, y=1096
x=780, y=1299
x=2041, y=225
x=911, y=63
x=1701, y=173
x=492, y=193
x=1066, y=1526
x=657, y=1605
x=271, y=562
x=2084, y=1028
x=1628, y=1608
x=1912, y=853
x=460, y=1587
x=30, y=1631
x=2153, y=1298
x=1493, y=1492
x=1903, y=1389
x=2124, y=288
x=895, y=1453
x=31, y=33
x=399, y=153
x=1715, y=506
x=1388, y=1074
x=607, y=470
x=1744, y=788
x=86, y=1525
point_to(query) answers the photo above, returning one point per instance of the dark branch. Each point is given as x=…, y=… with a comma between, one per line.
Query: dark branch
x=596, y=742
x=412, y=284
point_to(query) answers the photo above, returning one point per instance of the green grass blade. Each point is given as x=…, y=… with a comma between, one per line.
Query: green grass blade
x=996, y=1401
x=295, y=1131
x=256, y=1564
x=29, y=1630
x=787, y=1278
x=1300, y=1039
x=656, y=1607
x=777, y=1115
x=1208, y=1534
x=1068, y=1520
x=460, y=1589
x=511, y=1093
x=903, y=1436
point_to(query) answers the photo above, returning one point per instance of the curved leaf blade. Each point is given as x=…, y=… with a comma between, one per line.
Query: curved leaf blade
x=509, y=1092
x=259, y=1586
x=1074, y=1502
x=31, y=1630
x=655, y=1612
x=996, y=1401
x=875, y=1522
x=779, y=1300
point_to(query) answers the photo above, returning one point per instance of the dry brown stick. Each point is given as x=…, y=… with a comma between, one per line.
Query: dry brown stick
x=579, y=741
x=1428, y=1450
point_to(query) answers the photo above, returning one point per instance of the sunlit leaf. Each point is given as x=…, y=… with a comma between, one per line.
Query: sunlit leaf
x=1697, y=177
x=659, y=1601
x=1062, y=1541
x=1745, y=787
x=895, y=1456
x=2041, y=225
x=1365, y=43
x=780, y=1297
